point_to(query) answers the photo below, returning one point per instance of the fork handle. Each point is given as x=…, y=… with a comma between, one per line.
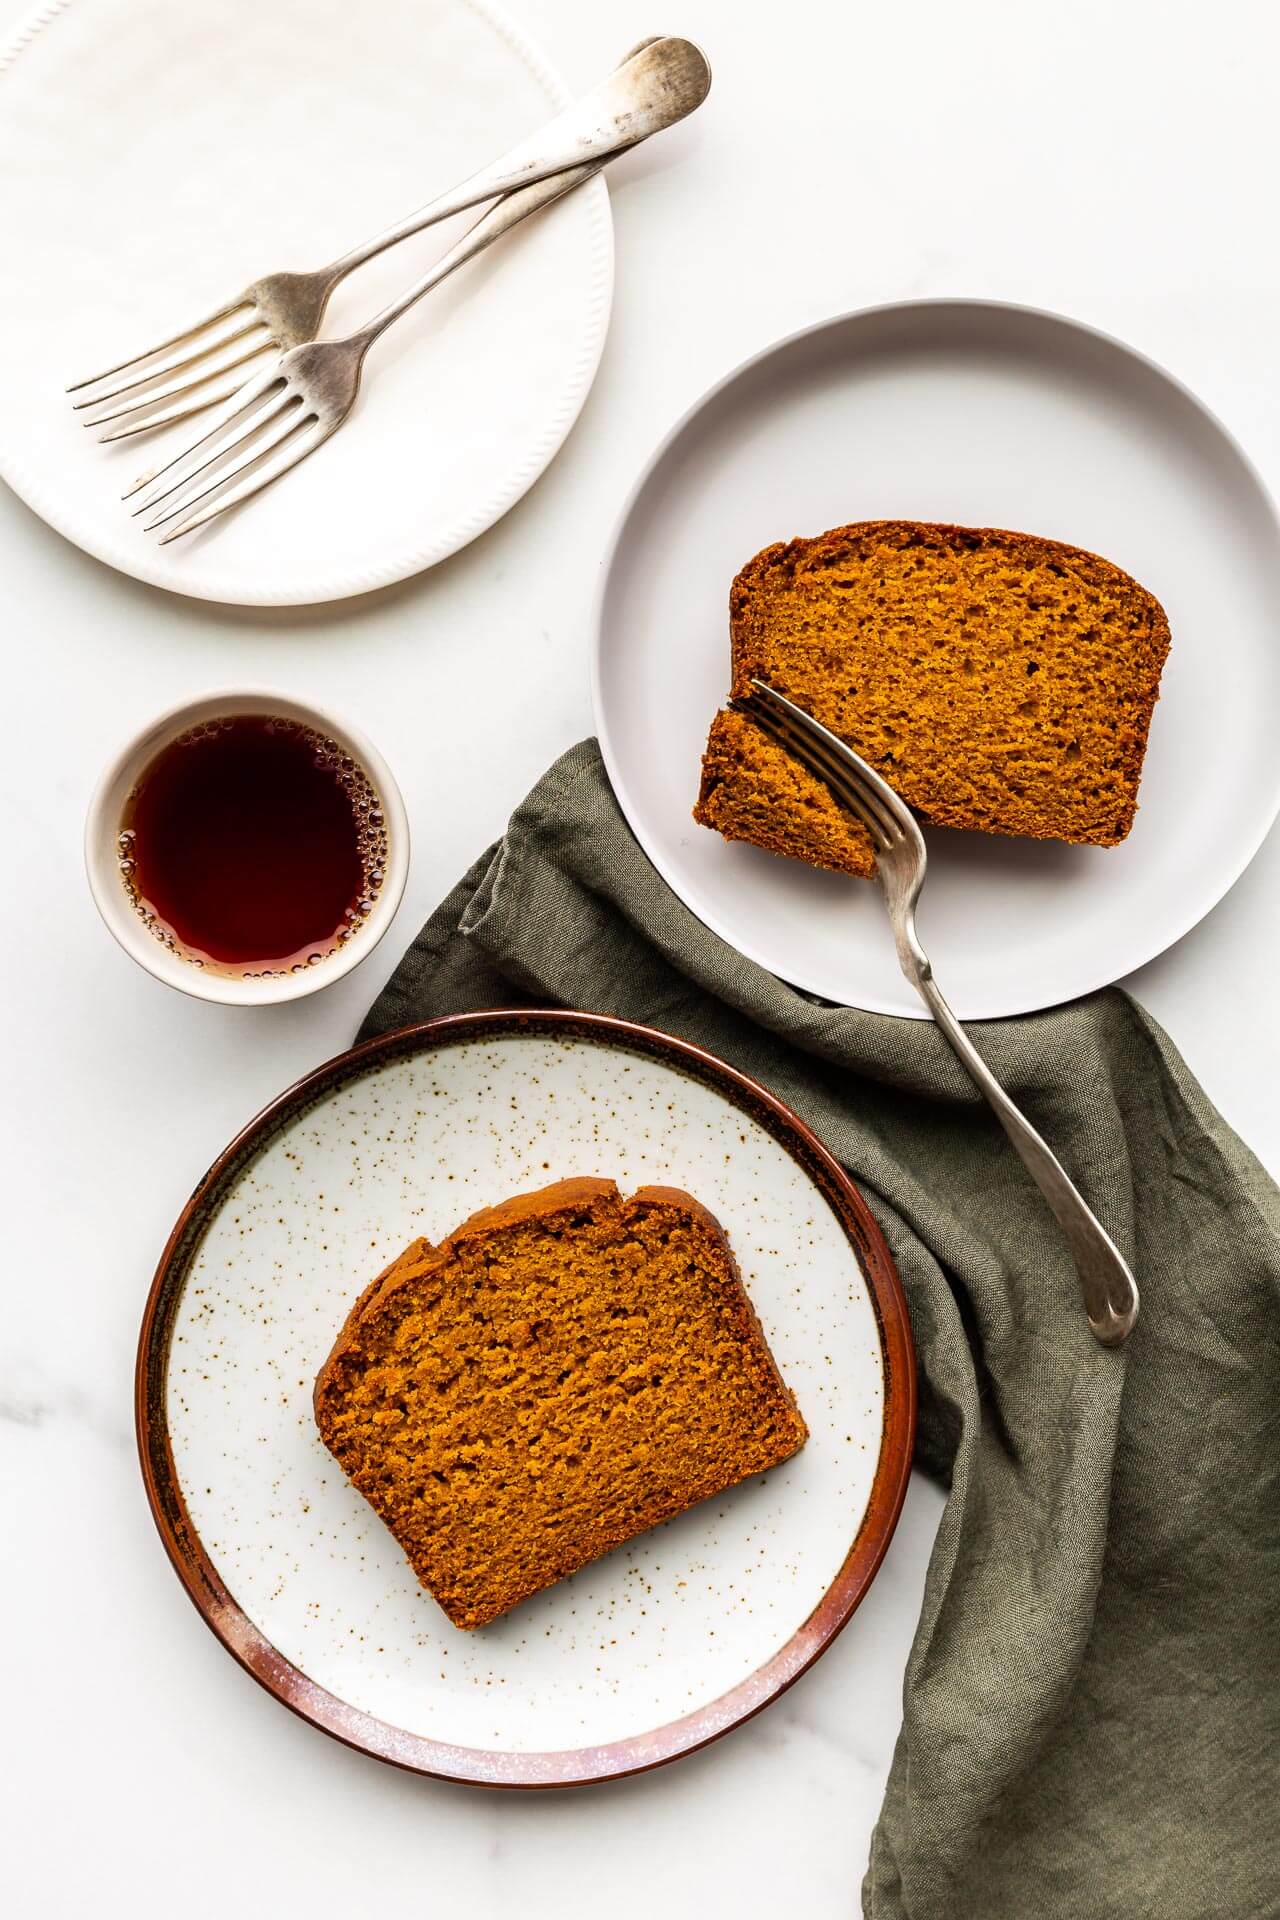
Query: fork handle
x=491, y=226
x=659, y=83
x=1106, y=1282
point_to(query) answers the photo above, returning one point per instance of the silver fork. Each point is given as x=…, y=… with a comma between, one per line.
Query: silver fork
x=275, y=421
x=657, y=84
x=1106, y=1283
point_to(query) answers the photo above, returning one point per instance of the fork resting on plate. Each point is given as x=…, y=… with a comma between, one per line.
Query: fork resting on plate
x=656, y=84
x=279, y=409
x=1108, y=1287
x=284, y=414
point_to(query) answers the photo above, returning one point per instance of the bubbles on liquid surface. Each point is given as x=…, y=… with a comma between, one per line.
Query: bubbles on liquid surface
x=369, y=819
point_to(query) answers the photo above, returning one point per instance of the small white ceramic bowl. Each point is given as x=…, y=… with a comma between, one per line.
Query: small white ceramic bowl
x=106, y=812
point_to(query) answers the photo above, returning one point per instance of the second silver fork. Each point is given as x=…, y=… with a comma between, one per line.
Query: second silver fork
x=658, y=83
x=1107, y=1285
x=285, y=414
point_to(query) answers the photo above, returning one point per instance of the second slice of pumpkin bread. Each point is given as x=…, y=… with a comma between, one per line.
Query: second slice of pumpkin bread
x=563, y=1372
x=998, y=681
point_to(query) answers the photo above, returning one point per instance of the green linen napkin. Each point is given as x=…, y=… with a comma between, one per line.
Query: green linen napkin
x=1091, y=1717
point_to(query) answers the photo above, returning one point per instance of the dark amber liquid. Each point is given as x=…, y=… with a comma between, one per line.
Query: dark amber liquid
x=253, y=844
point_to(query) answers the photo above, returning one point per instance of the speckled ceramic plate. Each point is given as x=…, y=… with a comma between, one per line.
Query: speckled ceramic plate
x=658, y=1647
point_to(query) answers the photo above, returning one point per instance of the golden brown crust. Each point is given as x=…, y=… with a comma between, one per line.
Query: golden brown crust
x=563, y=1371
x=420, y=1256
x=410, y=1261
x=561, y=1196
x=1001, y=681
x=657, y=1196
x=738, y=1299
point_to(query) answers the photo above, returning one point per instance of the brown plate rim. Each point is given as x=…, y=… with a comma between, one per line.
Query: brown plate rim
x=574, y=1766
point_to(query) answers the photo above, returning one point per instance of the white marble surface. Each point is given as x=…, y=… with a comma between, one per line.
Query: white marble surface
x=1115, y=159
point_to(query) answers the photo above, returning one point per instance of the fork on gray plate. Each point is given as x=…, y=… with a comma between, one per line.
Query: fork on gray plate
x=658, y=83
x=1106, y=1283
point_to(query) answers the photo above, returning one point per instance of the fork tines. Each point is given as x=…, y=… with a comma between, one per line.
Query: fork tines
x=173, y=380
x=848, y=777
x=262, y=431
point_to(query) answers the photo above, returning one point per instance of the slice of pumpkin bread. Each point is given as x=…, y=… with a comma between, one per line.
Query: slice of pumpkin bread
x=998, y=682
x=562, y=1372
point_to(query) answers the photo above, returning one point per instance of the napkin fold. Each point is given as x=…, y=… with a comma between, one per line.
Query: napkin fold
x=1091, y=1713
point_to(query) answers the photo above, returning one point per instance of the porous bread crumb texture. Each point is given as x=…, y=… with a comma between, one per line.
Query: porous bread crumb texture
x=999, y=682
x=563, y=1372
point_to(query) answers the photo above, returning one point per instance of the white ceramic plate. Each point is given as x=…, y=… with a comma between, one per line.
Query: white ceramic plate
x=159, y=156
x=985, y=415
x=654, y=1649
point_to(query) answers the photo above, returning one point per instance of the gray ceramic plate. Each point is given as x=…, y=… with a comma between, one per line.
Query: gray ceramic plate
x=985, y=415
x=654, y=1649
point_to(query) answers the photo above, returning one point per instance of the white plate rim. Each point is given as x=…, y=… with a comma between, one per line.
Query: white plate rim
x=637, y=1752
x=871, y=1003
x=505, y=494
